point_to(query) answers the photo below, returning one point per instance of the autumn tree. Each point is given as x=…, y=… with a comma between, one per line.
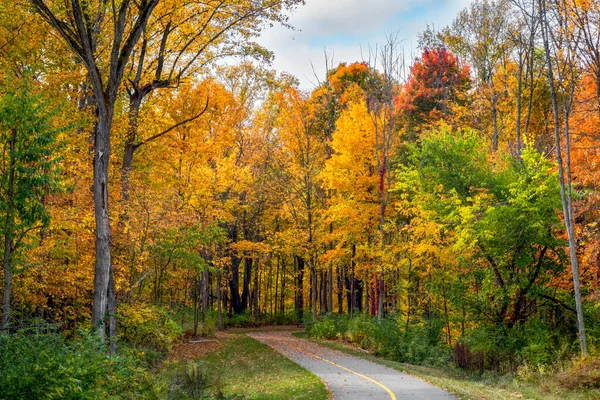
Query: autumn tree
x=351, y=175
x=82, y=27
x=181, y=40
x=489, y=229
x=435, y=89
x=295, y=170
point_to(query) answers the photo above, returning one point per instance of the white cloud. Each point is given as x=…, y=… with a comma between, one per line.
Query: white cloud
x=347, y=27
x=332, y=17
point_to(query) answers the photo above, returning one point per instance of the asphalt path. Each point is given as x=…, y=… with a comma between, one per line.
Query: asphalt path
x=348, y=377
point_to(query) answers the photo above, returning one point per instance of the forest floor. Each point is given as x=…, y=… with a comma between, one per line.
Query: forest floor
x=235, y=367
x=467, y=386
x=349, y=377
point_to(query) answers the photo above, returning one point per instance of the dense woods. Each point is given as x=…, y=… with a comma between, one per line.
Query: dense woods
x=155, y=170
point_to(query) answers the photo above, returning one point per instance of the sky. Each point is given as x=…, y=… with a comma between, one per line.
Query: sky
x=346, y=29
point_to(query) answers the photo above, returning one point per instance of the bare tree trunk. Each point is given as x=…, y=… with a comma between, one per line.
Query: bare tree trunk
x=256, y=299
x=274, y=309
x=101, y=212
x=352, y=282
x=313, y=291
x=566, y=198
x=519, y=94
x=340, y=287
x=195, y=295
x=300, y=288
x=282, y=305
x=82, y=40
x=330, y=290
x=495, y=133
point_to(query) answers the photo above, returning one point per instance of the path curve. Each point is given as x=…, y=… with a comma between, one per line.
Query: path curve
x=348, y=377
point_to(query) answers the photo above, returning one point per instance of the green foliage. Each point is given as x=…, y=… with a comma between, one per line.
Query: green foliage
x=148, y=327
x=207, y=327
x=181, y=246
x=26, y=122
x=331, y=327
x=492, y=222
x=48, y=367
x=420, y=345
x=287, y=318
x=242, y=320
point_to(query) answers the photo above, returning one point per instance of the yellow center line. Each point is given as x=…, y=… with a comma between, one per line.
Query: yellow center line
x=392, y=395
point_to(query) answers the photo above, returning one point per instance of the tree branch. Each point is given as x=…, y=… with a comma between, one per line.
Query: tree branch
x=177, y=125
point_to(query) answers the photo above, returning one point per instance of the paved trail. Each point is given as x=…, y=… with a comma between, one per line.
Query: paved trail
x=350, y=378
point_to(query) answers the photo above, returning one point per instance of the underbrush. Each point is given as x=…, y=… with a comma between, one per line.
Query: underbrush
x=147, y=327
x=420, y=345
x=247, y=319
x=49, y=367
x=76, y=365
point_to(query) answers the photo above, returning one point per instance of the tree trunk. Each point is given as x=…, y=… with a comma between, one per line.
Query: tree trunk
x=282, y=305
x=234, y=285
x=340, y=288
x=8, y=232
x=566, y=199
x=246, y=289
x=256, y=297
x=519, y=94
x=135, y=102
x=300, y=288
x=101, y=213
x=204, y=291
x=219, y=306
x=495, y=132
x=330, y=290
x=112, y=312
x=313, y=291
x=195, y=295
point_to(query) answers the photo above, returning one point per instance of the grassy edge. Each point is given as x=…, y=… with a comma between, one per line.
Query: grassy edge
x=242, y=367
x=461, y=386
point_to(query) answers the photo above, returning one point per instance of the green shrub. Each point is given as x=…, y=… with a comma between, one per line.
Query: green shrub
x=325, y=329
x=208, y=327
x=421, y=344
x=242, y=320
x=148, y=326
x=360, y=331
x=287, y=318
x=48, y=367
